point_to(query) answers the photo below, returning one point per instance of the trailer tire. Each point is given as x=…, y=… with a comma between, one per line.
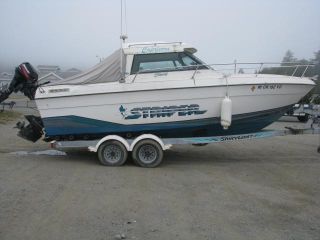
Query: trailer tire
x=147, y=153
x=112, y=153
x=303, y=118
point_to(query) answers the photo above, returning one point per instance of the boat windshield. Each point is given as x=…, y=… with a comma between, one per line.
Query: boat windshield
x=165, y=62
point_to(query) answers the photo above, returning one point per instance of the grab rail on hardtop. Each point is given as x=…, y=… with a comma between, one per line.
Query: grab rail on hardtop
x=235, y=65
x=153, y=44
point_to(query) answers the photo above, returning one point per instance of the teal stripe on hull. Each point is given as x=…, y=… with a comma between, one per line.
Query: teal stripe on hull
x=80, y=126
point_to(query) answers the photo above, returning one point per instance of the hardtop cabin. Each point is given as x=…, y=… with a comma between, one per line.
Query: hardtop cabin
x=160, y=57
x=139, y=59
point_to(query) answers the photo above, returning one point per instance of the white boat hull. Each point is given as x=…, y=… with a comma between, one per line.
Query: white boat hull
x=193, y=110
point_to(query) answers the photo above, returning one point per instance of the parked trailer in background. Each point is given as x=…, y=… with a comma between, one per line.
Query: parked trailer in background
x=300, y=111
x=303, y=111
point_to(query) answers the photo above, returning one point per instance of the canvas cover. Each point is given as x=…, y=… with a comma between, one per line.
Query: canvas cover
x=108, y=70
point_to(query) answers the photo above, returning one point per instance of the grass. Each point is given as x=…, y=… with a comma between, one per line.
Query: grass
x=7, y=116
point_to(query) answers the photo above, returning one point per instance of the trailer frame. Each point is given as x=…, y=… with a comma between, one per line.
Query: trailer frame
x=146, y=147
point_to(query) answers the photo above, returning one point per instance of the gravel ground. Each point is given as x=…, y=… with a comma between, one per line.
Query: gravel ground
x=262, y=189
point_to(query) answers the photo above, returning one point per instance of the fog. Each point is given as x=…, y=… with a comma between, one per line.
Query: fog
x=76, y=33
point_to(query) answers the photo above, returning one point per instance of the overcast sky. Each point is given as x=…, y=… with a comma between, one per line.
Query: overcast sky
x=71, y=33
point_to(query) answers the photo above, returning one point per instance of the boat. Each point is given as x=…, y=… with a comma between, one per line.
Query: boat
x=160, y=88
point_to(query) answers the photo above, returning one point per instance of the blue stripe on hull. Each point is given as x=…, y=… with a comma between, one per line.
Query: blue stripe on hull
x=243, y=123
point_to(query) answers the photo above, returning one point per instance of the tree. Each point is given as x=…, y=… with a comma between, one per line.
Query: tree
x=288, y=67
x=316, y=71
x=241, y=71
x=316, y=61
x=288, y=57
x=288, y=60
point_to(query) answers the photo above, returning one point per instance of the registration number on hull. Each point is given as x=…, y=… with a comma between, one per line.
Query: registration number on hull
x=266, y=86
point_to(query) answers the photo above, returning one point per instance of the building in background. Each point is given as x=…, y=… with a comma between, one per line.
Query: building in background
x=70, y=72
x=5, y=78
x=50, y=77
x=47, y=73
x=53, y=73
x=46, y=69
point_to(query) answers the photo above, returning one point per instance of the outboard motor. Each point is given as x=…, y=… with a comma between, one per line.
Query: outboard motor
x=25, y=80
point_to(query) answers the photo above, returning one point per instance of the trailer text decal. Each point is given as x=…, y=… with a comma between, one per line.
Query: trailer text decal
x=158, y=112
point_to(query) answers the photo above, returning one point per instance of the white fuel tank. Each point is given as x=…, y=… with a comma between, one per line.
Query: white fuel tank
x=226, y=112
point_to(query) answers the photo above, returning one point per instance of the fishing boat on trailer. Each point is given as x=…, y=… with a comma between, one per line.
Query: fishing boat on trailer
x=163, y=89
x=154, y=88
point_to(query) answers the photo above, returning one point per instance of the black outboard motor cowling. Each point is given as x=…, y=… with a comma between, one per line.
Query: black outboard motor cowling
x=25, y=80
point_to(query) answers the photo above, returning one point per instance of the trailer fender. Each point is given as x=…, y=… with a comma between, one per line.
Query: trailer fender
x=107, y=138
x=149, y=136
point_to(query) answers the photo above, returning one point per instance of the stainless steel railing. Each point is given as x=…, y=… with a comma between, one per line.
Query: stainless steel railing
x=260, y=66
x=234, y=67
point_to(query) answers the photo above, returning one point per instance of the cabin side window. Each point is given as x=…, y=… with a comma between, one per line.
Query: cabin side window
x=165, y=62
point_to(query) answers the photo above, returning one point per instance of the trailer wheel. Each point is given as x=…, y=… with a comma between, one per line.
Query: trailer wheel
x=147, y=153
x=112, y=153
x=303, y=118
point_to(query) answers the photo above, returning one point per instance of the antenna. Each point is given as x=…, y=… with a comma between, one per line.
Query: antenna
x=123, y=36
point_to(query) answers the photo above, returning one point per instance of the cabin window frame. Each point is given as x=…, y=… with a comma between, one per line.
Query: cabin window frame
x=175, y=57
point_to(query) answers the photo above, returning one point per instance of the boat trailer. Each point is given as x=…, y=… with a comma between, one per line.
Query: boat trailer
x=147, y=149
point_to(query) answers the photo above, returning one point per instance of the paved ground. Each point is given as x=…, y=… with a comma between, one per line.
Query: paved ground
x=263, y=189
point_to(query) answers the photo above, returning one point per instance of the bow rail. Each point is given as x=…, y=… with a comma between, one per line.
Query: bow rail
x=233, y=68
